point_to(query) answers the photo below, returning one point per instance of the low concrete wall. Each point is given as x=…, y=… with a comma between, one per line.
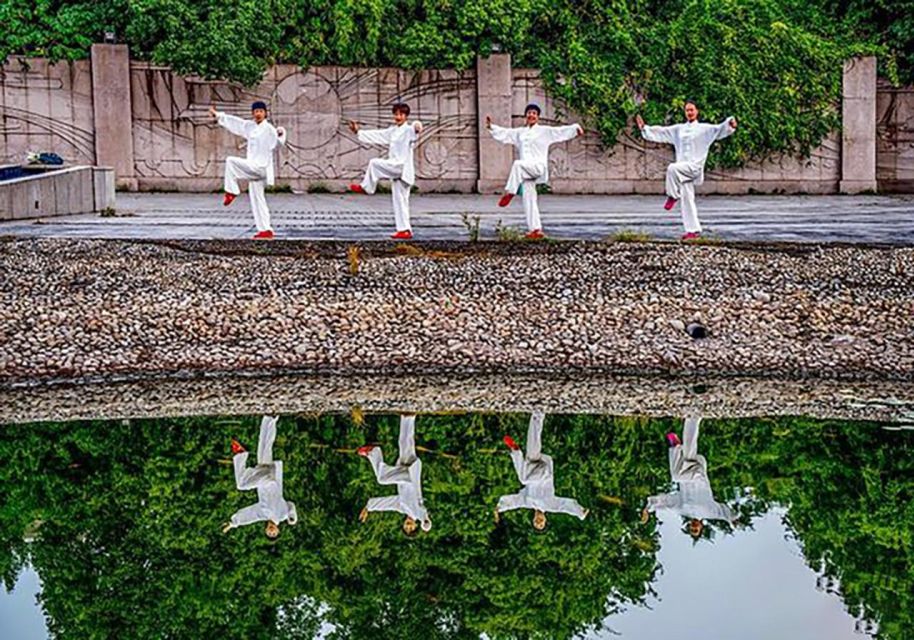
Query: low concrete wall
x=57, y=193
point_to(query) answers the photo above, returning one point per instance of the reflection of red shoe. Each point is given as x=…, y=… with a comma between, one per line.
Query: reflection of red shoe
x=506, y=200
x=236, y=447
x=228, y=199
x=363, y=451
x=357, y=188
x=536, y=234
x=673, y=440
x=511, y=444
x=264, y=235
x=670, y=203
x=403, y=235
x=692, y=235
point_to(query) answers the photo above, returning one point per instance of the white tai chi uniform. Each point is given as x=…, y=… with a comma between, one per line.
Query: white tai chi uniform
x=398, y=167
x=256, y=167
x=406, y=474
x=535, y=472
x=692, y=140
x=694, y=498
x=266, y=477
x=532, y=166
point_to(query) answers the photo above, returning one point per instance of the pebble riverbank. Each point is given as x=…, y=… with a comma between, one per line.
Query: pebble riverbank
x=95, y=310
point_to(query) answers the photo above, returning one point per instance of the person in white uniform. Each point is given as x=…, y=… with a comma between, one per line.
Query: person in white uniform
x=535, y=471
x=266, y=478
x=692, y=141
x=694, y=499
x=406, y=474
x=257, y=165
x=398, y=167
x=531, y=168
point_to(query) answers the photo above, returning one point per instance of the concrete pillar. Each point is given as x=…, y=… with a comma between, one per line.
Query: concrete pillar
x=493, y=98
x=112, y=110
x=858, y=126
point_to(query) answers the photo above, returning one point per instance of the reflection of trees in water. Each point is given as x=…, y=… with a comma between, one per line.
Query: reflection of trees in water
x=129, y=539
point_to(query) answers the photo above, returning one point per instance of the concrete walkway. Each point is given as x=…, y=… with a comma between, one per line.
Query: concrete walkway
x=438, y=217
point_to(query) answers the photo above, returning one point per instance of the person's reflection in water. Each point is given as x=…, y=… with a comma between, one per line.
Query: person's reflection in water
x=535, y=472
x=694, y=499
x=406, y=474
x=266, y=477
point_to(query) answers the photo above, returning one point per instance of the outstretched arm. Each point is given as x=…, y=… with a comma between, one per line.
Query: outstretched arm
x=501, y=134
x=387, y=503
x=725, y=129
x=656, y=134
x=236, y=125
x=561, y=134
x=509, y=503
x=248, y=515
x=374, y=136
x=280, y=136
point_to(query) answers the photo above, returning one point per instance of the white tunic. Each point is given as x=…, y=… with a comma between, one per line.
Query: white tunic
x=270, y=505
x=532, y=143
x=262, y=140
x=408, y=500
x=539, y=489
x=692, y=141
x=401, y=141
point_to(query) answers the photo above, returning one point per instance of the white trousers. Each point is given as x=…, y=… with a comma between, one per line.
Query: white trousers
x=240, y=169
x=526, y=173
x=526, y=465
x=381, y=169
x=252, y=477
x=685, y=463
x=399, y=473
x=680, y=185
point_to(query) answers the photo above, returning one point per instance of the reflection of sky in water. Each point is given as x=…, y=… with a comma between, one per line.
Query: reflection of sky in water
x=20, y=615
x=751, y=585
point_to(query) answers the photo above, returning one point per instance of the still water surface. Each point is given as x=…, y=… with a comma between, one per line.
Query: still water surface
x=574, y=526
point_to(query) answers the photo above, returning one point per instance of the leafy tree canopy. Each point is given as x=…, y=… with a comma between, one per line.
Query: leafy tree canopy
x=775, y=64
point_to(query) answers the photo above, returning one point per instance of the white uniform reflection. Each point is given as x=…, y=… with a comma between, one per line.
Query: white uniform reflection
x=694, y=498
x=535, y=471
x=266, y=478
x=406, y=474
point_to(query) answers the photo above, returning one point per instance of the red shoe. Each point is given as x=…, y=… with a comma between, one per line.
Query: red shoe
x=264, y=235
x=228, y=199
x=513, y=446
x=673, y=440
x=357, y=188
x=670, y=203
x=506, y=200
x=692, y=235
x=403, y=235
x=363, y=451
x=536, y=234
x=236, y=447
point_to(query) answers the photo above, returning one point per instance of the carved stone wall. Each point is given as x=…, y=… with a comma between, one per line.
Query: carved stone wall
x=177, y=147
x=895, y=138
x=45, y=107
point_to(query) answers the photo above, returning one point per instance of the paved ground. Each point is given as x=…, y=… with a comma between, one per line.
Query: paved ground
x=438, y=217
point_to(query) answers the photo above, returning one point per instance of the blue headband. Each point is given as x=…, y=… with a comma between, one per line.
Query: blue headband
x=259, y=105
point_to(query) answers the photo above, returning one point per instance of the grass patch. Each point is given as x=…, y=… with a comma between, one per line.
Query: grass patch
x=508, y=233
x=318, y=187
x=279, y=188
x=472, y=225
x=627, y=235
